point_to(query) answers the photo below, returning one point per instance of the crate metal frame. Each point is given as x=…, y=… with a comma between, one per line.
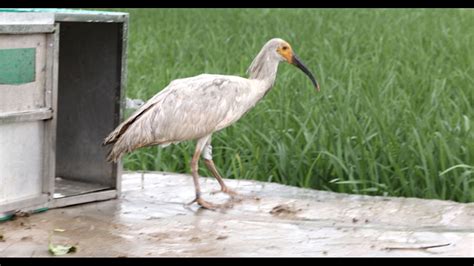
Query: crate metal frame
x=50, y=23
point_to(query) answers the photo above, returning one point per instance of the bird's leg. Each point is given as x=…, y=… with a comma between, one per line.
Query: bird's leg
x=207, y=154
x=210, y=165
x=194, y=170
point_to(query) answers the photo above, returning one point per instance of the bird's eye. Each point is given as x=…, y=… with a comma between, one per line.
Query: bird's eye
x=285, y=48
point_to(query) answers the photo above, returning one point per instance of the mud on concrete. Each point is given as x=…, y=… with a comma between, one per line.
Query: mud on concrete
x=151, y=219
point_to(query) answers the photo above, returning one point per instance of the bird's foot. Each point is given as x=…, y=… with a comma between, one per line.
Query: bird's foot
x=227, y=191
x=204, y=204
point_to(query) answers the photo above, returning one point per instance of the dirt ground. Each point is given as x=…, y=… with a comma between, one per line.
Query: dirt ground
x=150, y=219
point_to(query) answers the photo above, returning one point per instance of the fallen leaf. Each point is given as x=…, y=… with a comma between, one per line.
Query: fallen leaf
x=59, y=230
x=58, y=250
x=221, y=237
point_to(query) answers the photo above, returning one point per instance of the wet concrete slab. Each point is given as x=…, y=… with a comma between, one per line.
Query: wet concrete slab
x=150, y=219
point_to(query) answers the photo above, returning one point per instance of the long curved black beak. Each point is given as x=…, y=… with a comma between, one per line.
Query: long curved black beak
x=297, y=62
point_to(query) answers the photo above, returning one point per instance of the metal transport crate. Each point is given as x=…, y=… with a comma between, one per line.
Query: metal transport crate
x=62, y=80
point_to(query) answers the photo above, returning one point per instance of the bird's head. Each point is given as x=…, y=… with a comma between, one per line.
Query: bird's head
x=285, y=53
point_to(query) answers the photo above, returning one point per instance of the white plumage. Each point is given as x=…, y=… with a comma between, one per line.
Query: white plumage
x=194, y=108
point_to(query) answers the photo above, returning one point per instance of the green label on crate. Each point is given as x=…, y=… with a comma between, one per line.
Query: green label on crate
x=17, y=66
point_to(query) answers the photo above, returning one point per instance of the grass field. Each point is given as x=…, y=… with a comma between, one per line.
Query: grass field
x=394, y=115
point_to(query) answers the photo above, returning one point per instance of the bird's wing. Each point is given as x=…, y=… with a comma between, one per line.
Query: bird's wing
x=115, y=135
x=186, y=109
x=192, y=107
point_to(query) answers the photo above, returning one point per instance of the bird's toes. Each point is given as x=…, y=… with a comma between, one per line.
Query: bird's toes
x=206, y=204
x=230, y=192
x=225, y=190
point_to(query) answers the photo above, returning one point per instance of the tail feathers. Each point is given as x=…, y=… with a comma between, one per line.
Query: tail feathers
x=123, y=144
x=112, y=138
x=122, y=128
x=118, y=149
x=115, y=135
x=113, y=156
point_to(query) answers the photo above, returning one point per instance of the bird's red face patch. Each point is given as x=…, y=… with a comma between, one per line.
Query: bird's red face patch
x=286, y=51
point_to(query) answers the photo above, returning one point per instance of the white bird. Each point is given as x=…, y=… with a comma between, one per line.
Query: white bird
x=194, y=108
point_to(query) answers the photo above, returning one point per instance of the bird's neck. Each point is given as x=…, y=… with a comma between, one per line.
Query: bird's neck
x=264, y=68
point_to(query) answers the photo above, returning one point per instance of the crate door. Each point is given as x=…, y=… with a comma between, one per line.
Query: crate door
x=26, y=91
